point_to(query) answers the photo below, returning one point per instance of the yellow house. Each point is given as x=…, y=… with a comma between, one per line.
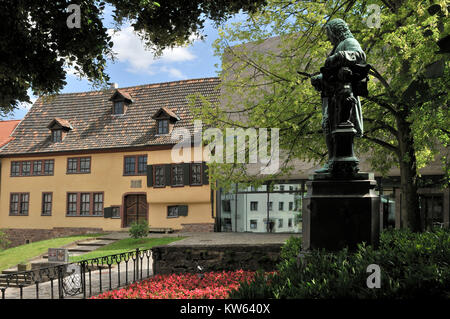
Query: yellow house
x=85, y=162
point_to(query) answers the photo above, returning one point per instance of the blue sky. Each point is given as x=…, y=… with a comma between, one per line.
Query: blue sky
x=136, y=66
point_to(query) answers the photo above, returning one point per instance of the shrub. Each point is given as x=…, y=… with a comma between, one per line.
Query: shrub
x=4, y=241
x=412, y=265
x=139, y=229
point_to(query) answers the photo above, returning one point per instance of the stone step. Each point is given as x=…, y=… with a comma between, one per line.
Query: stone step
x=4, y=275
x=15, y=285
x=14, y=281
x=160, y=230
x=83, y=249
x=111, y=237
x=95, y=243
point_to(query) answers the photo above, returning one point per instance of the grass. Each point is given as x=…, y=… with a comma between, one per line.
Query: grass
x=125, y=245
x=12, y=256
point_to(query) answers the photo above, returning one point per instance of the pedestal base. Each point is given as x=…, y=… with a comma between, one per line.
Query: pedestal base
x=340, y=213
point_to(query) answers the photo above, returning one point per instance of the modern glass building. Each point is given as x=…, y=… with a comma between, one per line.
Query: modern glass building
x=277, y=207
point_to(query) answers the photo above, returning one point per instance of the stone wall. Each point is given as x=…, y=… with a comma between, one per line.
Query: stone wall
x=20, y=236
x=179, y=259
x=198, y=228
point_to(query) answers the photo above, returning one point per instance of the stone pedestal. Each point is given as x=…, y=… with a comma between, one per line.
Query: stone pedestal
x=344, y=162
x=340, y=213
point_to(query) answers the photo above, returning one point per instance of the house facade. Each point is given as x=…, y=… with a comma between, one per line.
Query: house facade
x=99, y=161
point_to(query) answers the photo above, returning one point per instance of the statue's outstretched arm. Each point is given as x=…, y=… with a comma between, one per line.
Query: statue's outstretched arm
x=316, y=82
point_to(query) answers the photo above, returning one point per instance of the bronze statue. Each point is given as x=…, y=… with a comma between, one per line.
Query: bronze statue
x=341, y=81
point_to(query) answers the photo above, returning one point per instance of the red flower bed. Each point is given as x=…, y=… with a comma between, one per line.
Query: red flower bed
x=212, y=285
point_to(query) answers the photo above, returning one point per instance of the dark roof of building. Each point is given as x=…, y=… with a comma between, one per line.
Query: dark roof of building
x=6, y=128
x=94, y=127
x=59, y=123
x=121, y=93
x=168, y=112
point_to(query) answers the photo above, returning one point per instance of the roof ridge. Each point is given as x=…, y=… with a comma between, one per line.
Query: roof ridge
x=142, y=85
x=2, y=121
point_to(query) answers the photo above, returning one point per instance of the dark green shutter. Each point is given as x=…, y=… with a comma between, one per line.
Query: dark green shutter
x=149, y=175
x=167, y=174
x=205, y=176
x=107, y=212
x=182, y=210
x=186, y=173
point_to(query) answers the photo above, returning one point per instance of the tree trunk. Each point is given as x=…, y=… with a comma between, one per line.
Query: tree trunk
x=408, y=176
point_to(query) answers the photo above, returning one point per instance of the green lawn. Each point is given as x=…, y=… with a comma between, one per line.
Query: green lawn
x=12, y=256
x=125, y=245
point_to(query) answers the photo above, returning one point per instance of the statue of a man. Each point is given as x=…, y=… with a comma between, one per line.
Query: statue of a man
x=340, y=82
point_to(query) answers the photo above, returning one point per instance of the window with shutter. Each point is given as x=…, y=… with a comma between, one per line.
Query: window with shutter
x=196, y=174
x=205, y=174
x=177, y=175
x=115, y=213
x=160, y=178
x=182, y=210
x=172, y=211
x=186, y=173
x=149, y=175
x=168, y=174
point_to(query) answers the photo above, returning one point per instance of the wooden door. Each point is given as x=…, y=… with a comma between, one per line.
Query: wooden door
x=135, y=209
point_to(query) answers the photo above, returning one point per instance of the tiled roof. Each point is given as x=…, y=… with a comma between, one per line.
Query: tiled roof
x=6, y=128
x=95, y=128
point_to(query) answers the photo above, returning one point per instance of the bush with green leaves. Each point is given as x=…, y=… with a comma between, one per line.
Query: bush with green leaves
x=139, y=229
x=412, y=265
x=4, y=241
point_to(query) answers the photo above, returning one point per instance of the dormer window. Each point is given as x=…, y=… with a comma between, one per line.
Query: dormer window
x=59, y=129
x=121, y=100
x=163, y=126
x=57, y=135
x=165, y=120
x=118, y=108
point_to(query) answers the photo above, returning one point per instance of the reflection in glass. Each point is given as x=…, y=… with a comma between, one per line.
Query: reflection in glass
x=255, y=210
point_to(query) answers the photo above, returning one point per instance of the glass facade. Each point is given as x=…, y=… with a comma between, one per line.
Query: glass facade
x=277, y=206
x=388, y=207
x=274, y=208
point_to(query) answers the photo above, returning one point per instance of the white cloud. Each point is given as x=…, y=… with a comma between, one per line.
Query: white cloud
x=131, y=50
x=173, y=72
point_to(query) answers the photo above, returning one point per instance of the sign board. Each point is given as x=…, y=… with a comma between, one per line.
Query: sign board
x=58, y=254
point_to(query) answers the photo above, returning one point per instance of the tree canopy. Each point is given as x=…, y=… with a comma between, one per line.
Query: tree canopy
x=406, y=115
x=37, y=45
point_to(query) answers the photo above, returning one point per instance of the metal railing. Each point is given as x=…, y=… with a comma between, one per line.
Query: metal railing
x=81, y=279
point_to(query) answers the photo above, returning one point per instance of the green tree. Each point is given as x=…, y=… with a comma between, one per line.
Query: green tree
x=406, y=116
x=36, y=44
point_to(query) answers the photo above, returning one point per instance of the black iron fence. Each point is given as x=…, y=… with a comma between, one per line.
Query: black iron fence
x=80, y=279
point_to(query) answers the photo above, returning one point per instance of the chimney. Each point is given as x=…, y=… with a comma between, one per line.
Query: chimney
x=114, y=85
